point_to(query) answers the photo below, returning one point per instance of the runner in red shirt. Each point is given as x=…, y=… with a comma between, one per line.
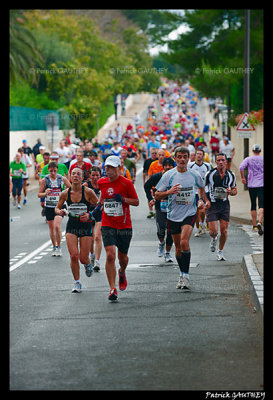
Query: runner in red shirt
x=80, y=163
x=117, y=194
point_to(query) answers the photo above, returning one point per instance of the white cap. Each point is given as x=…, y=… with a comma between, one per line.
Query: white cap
x=256, y=147
x=114, y=161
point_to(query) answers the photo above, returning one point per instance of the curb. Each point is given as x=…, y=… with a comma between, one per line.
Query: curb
x=255, y=281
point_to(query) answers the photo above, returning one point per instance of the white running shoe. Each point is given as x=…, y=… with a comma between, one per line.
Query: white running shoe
x=186, y=283
x=77, y=288
x=58, y=251
x=168, y=257
x=160, y=249
x=179, y=283
x=220, y=256
x=97, y=266
x=198, y=233
x=213, y=244
x=53, y=254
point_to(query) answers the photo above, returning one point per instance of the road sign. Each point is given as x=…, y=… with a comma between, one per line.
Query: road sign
x=244, y=127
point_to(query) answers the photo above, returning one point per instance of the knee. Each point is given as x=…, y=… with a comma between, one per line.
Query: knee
x=74, y=257
x=84, y=259
x=111, y=256
x=185, y=244
x=224, y=231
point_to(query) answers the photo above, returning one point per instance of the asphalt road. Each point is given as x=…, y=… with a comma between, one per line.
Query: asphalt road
x=154, y=338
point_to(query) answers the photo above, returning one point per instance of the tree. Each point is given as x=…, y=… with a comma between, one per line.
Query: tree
x=23, y=48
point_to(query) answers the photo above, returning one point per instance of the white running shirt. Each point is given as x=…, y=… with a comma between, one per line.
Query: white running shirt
x=183, y=204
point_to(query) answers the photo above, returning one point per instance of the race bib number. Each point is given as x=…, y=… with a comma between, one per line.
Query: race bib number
x=220, y=193
x=185, y=196
x=16, y=172
x=113, y=208
x=76, y=209
x=163, y=205
x=52, y=198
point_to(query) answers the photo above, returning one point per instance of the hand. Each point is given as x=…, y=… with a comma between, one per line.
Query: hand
x=201, y=205
x=85, y=217
x=152, y=202
x=97, y=212
x=175, y=189
x=244, y=181
x=62, y=212
x=118, y=197
x=207, y=205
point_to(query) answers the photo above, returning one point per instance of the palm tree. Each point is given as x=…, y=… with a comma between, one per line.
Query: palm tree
x=23, y=49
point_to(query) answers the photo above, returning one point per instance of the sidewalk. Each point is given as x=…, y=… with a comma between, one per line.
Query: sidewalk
x=252, y=264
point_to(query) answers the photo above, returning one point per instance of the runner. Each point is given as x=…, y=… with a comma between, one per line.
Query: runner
x=79, y=225
x=178, y=185
x=117, y=194
x=220, y=183
x=161, y=211
x=255, y=183
x=17, y=170
x=96, y=243
x=50, y=188
x=202, y=167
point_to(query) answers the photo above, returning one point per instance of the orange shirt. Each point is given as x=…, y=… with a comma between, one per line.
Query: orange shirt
x=154, y=168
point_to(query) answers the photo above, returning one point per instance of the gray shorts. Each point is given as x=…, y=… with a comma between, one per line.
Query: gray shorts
x=218, y=210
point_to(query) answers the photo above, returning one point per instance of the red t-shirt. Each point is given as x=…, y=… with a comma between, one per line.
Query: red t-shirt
x=125, y=188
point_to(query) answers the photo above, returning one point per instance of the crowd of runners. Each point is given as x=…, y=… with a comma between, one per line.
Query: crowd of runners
x=186, y=178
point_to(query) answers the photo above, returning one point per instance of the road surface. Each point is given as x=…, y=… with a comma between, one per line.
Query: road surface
x=154, y=338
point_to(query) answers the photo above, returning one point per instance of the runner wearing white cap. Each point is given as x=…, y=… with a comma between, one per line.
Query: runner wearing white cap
x=117, y=194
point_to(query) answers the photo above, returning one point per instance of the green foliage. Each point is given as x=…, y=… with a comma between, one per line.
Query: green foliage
x=81, y=70
x=211, y=54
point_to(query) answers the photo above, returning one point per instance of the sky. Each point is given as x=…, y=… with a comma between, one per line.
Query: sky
x=173, y=35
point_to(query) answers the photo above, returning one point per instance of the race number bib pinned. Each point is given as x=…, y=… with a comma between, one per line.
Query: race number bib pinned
x=220, y=193
x=185, y=196
x=77, y=209
x=113, y=208
x=52, y=198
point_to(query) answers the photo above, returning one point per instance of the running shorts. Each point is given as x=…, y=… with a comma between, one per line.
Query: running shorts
x=174, y=227
x=218, y=210
x=253, y=194
x=50, y=212
x=78, y=228
x=120, y=238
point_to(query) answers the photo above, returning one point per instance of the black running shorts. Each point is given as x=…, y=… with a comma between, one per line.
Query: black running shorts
x=120, y=238
x=174, y=227
x=218, y=210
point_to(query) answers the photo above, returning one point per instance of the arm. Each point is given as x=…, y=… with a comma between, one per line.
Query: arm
x=62, y=199
x=173, y=190
x=42, y=192
x=66, y=182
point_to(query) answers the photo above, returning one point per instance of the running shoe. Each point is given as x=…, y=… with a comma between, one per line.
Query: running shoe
x=113, y=295
x=53, y=254
x=58, y=251
x=160, y=249
x=77, y=288
x=19, y=206
x=97, y=266
x=183, y=283
x=88, y=270
x=122, y=283
x=213, y=244
x=179, y=283
x=168, y=257
x=198, y=233
x=25, y=202
x=260, y=229
x=186, y=283
x=220, y=256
